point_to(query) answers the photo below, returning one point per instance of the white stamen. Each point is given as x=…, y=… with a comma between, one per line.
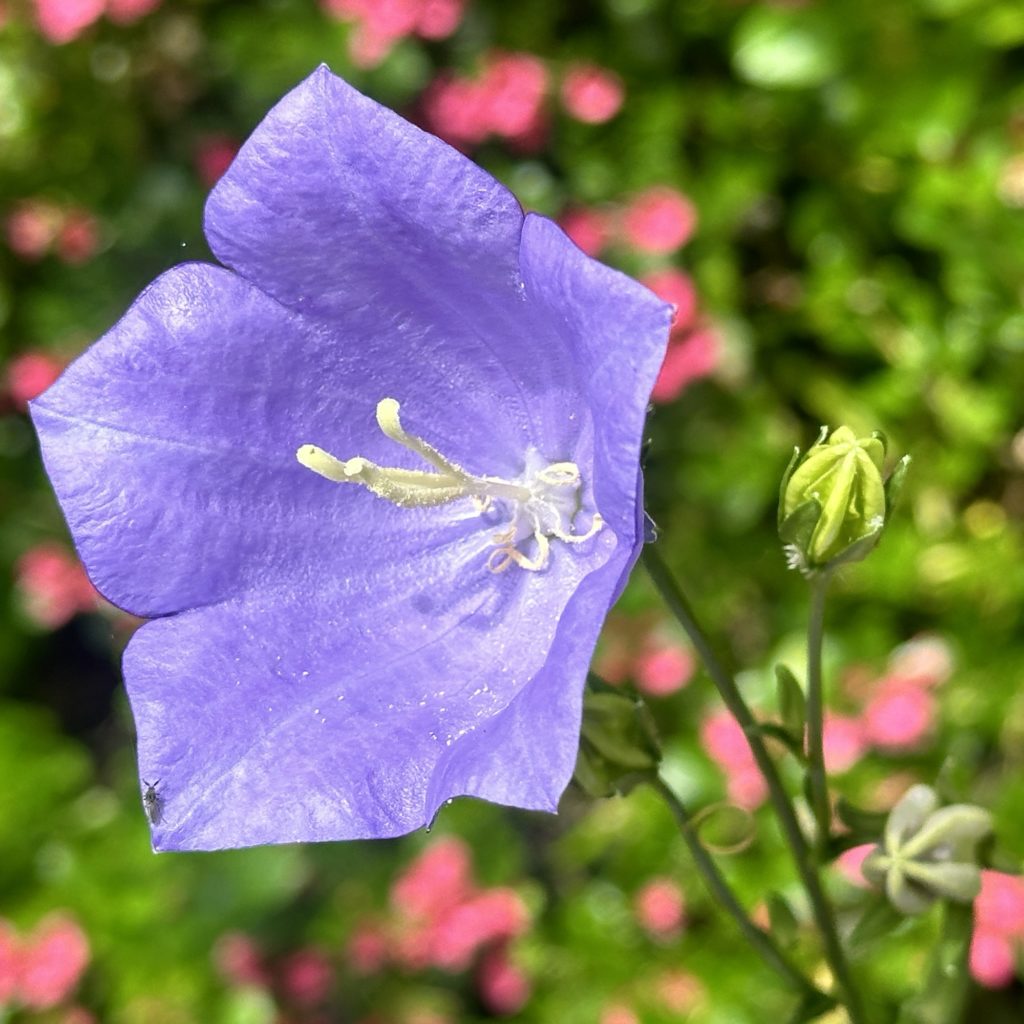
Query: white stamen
x=543, y=503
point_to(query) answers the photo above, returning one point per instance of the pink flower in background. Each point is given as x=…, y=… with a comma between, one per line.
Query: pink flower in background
x=380, y=24
x=680, y=992
x=998, y=928
x=925, y=661
x=78, y=238
x=618, y=1013
x=676, y=287
x=30, y=374
x=659, y=907
x=437, y=880
x=369, y=948
x=50, y=963
x=506, y=99
x=240, y=960
x=514, y=86
x=688, y=358
x=588, y=228
x=659, y=221
x=53, y=585
x=31, y=228
x=10, y=951
x=992, y=959
x=899, y=715
x=504, y=988
x=123, y=12
x=663, y=669
x=60, y=21
x=844, y=742
x=442, y=919
x=999, y=907
x=213, y=156
x=592, y=94
x=306, y=977
x=723, y=739
x=850, y=862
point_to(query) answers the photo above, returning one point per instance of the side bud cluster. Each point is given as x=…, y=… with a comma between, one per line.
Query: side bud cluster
x=928, y=852
x=835, y=502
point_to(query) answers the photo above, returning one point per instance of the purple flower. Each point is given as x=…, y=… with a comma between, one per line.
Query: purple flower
x=359, y=612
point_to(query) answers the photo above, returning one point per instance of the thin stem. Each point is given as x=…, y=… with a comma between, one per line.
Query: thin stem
x=815, y=713
x=761, y=940
x=677, y=603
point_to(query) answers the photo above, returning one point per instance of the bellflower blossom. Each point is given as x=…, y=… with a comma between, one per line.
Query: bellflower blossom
x=375, y=480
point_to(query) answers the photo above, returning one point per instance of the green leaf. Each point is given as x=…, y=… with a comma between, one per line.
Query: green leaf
x=879, y=918
x=791, y=701
x=783, y=922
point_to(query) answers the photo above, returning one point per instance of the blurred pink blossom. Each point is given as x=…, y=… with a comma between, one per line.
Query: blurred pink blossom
x=30, y=374
x=439, y=879
x=688, y=358
x=10, y=962
x=663, y=669
x=78, y=237
x=53, y=585
x=52, y=960
x=379, y=24
x=899, y=715
x=368, y=948
x=31, y=228
x=213, y=156
x=680, y=991
x=504, y=988
x=588, y=228
x=659, y=907
x=676, y=287
x=659, y=220
x=618, y=1013
x=306, y=977
x=123, y=12
x=992, y=959
x=506, y=99
x=999, y=907
x=725, y=743
x=844, y=742
x=240, y=960
x=592, y=94
x=491, y=916
x=850, y=862
x=60, y=21
x=925, y=661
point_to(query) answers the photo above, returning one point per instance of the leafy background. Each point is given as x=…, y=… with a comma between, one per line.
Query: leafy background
x=857, y=169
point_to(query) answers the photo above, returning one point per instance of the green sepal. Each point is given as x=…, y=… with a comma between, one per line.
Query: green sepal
x=879, y=918
x=794, y=744
x=793, y=461
x=866, y=826
x=619, y=745
x=812, y=1006
x=791, y=701
x=894, y=485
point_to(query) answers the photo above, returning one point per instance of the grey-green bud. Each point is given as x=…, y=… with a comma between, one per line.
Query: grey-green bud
x=929, y=853
x=834, y=501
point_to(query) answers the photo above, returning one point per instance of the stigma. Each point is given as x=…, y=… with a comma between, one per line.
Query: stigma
x=541, y=505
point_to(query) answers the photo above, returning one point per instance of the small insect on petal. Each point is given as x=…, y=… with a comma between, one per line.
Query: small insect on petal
x=153, y=802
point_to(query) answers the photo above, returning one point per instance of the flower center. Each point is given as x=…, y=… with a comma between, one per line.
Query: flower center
x=540, y=504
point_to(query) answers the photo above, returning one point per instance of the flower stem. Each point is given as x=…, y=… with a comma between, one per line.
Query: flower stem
x=815, y=714
x=677, y=603
x=760, y=940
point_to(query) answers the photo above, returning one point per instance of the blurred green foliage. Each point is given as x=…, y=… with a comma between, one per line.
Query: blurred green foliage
x=858, y=168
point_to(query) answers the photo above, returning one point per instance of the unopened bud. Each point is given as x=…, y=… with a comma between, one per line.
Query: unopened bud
x=834, y=501
x=929, y=853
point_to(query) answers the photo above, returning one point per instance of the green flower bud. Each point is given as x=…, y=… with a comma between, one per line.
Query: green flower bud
x=834, y=501
x=619, y=745
x=929, y=853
